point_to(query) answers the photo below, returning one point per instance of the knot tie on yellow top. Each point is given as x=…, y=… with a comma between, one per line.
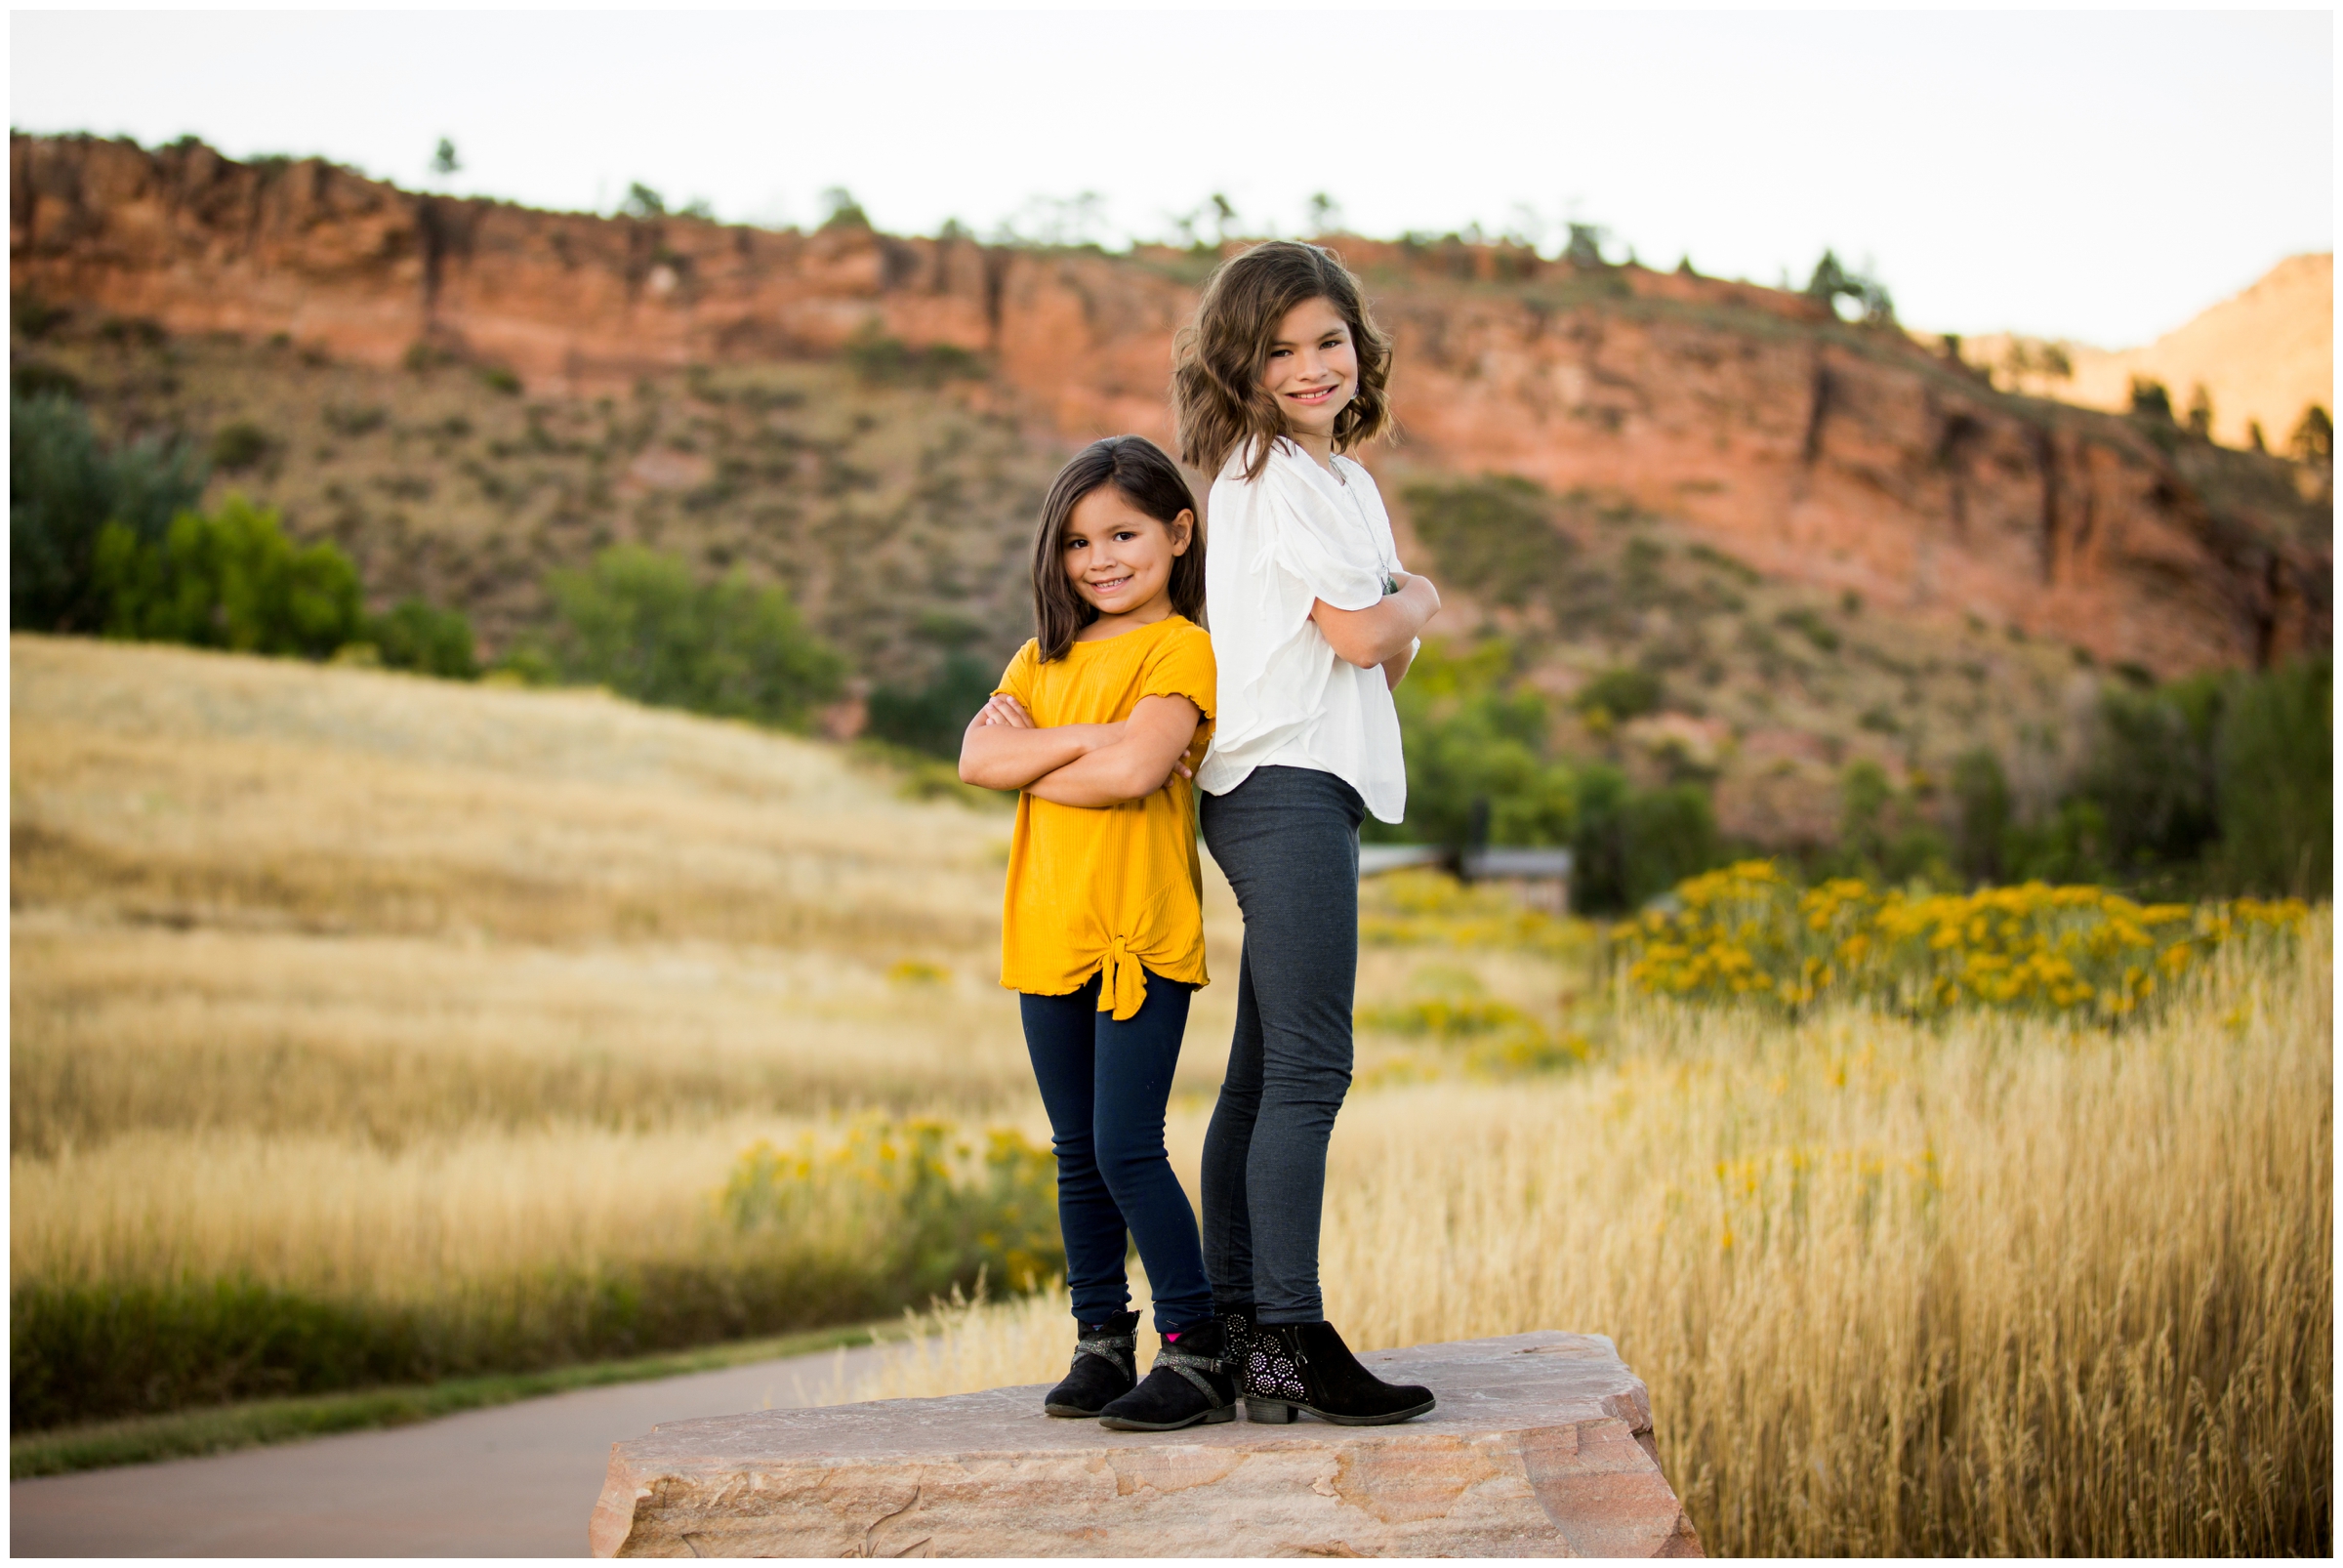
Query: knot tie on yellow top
x=1124, y=987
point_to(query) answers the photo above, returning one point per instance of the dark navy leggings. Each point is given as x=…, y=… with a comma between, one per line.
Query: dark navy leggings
x=1288, y=839
x=1104, y=1085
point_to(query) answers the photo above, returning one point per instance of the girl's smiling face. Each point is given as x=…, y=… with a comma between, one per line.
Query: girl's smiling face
x=1119, y=559
x=1313, y=368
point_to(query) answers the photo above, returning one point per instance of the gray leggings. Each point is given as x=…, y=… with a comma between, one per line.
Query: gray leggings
x=1288, y=839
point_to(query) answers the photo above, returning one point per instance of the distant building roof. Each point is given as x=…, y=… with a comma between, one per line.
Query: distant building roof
x=1376, y=858
x=1480, y=864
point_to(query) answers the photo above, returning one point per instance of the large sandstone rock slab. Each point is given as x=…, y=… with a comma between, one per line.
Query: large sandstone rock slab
x=1541, y=1448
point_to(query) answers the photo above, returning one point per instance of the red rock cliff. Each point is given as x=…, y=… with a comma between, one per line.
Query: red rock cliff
x=1826, y=453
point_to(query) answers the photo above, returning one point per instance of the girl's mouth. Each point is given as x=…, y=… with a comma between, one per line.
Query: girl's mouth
x=1113, y=585
x=1317, y=395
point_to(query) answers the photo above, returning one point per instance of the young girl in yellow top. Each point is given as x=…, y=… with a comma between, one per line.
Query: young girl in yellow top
x=1102, y=930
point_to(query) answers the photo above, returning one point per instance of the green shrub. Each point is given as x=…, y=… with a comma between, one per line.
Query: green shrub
x=2276, y=761
x=637, y=622
x=37, y=378
x=2151, y=399
x=63, y=487
x=932, y=718
x=239, y=445
x=355, y=419
x=1980, y=815
x=1881, y=837
x=1732, y=565
x=882, y=360
x=500, y=380
x=230, y=579
x=937, y=1209
x=1474, y=751
x=1494, y=535
x=2068, y=847
x=2313, y=439
x=1809, y=624
x=34, y=316
x=1633, y=844
x=2151, y=771
x=1625, y=692
x=414, y=636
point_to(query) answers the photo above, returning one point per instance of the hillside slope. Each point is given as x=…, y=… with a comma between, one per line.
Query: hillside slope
x=2265, y=356
x=1833, y=455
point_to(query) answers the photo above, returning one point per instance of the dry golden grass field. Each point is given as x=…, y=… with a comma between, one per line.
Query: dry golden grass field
x=423, y=1026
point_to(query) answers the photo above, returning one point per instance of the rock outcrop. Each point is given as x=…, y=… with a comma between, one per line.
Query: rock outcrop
x=1540, y=1447
x=1848, y=457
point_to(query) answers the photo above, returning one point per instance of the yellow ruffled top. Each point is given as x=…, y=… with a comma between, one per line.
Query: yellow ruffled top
x=1115, y=889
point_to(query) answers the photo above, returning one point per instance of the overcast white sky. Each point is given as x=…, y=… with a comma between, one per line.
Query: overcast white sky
x=2100, y=176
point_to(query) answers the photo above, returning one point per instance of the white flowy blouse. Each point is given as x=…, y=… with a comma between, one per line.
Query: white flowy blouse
x=1295, y=535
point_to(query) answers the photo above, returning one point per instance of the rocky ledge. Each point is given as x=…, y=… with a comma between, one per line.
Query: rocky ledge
x=1542, y=1447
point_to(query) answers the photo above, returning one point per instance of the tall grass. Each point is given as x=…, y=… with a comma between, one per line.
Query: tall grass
x=367, y=1028
x=1990, y=1286
x=168, y=1270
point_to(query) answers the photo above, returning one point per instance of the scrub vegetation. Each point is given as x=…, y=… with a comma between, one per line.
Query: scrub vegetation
x=370, y=1029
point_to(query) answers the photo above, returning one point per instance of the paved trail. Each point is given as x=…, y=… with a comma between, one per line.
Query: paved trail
x=516, y=1481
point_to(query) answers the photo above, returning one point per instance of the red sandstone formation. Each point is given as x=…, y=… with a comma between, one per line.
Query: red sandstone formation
x=1829, y=454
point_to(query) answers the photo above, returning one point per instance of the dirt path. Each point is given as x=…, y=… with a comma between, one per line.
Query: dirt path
x=516, y=1481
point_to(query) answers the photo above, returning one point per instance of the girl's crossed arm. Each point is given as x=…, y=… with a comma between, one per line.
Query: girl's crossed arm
x=1380, y=635
x=1154, y=742
x=1080, y=764
x=1003, y=749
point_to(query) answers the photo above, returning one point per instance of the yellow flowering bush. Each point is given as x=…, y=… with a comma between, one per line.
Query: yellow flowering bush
x=1501, y=1039
x=1749, y=933
x=1430, y=908
x=942, y=1210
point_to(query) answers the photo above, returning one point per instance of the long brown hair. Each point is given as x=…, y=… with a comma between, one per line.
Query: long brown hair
x=1144, y=476
x=1216, y=386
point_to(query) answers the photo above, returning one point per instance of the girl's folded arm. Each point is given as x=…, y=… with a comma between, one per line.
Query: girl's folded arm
x=1003, y=749
x=1379, y=632
x=1133, y=767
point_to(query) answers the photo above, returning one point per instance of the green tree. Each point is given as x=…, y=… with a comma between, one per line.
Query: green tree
x=2151, y=399
x=2150, y=771
x=2201, y=413
x=444, y=159
x=839, y=210
x=2313, y=439
x=229, y=580
x=1982, y=808
x=2277, y=768
x=637, y=622
x=63, y=487
x=1632, y=844
x=2068, y=846
x=1626, y=692
x=414, y=636
x=931, y=718
x=1471, y=746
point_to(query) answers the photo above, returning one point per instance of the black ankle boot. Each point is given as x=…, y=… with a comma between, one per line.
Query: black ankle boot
x=1189, y=1386
x=1306, y=1366
x=1236, y=1320
x=1105, y=1367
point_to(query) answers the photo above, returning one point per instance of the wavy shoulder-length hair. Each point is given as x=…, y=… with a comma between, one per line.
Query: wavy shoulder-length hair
x=1216, y=390
x=1146, y=477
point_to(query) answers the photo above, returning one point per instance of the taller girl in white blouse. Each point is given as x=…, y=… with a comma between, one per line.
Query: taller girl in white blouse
x=1313, y=622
